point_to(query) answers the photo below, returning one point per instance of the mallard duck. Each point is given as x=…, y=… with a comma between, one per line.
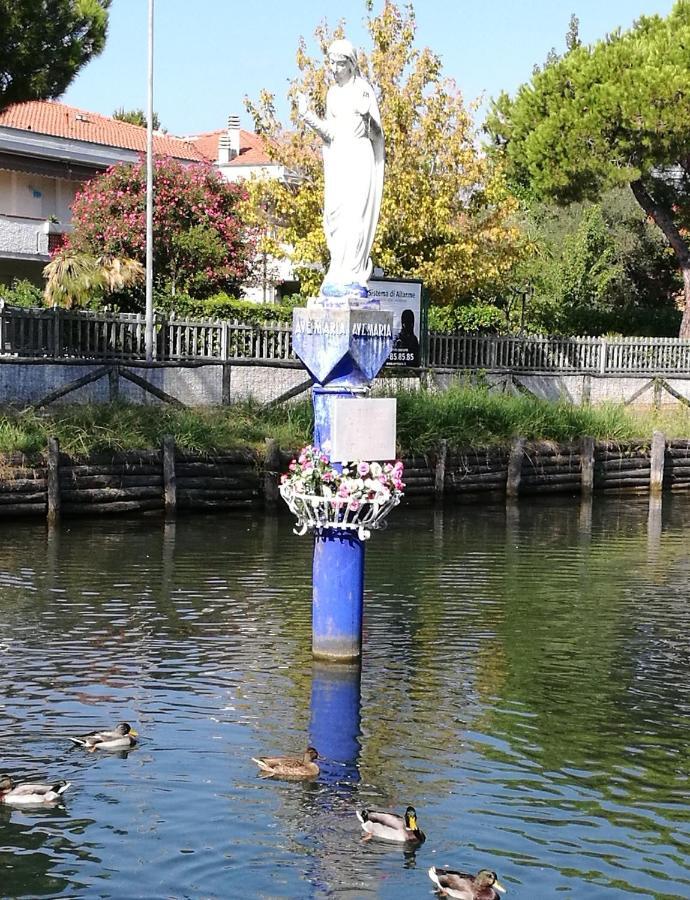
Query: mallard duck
x=390, y=826
x=28, y=794
x=482, y=886
x=121, y=737
x=294, y=767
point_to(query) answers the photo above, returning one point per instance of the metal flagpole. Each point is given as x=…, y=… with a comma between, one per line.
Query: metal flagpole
x=149, y=193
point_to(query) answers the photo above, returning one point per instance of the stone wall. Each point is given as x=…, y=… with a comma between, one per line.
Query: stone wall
x=199, y=385
x=212, y=384
x=640, y=391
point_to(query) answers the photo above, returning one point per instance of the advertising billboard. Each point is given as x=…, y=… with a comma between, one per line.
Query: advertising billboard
x=404, y=299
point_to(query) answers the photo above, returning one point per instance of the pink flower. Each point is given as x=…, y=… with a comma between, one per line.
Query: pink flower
x=363, y=468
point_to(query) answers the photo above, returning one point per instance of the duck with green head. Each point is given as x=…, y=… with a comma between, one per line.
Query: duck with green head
x=482, y=886
x=121, y=737
x=390, y=826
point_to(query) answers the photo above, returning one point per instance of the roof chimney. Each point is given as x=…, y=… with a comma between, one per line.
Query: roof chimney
x=229, y=143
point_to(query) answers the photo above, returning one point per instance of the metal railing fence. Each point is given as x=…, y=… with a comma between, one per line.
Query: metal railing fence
x=574, y=355
x=58, y=333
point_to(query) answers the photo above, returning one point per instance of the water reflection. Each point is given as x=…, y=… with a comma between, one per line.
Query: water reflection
x=654, y=528
x=335, y=719
x=524, y=685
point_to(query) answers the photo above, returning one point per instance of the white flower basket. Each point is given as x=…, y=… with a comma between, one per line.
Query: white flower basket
x=315, y=512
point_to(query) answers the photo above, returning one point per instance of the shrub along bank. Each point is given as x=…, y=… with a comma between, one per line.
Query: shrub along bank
x=461, y=416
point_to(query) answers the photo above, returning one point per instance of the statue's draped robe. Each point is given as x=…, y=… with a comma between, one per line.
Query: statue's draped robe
x=353, y=159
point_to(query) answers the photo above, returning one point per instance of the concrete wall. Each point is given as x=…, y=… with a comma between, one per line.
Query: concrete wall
x=577, y=389
x=203, y=385
x=26, y=383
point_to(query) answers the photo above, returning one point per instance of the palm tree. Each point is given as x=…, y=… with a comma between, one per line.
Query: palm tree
x=72, y=279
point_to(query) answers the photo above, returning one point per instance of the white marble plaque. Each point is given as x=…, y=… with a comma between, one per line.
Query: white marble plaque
x=363, y=429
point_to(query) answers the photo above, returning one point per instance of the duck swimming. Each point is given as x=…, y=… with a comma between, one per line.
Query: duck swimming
x=390, y=826
x=295, y=768
x=482, y=886
x=121, y=737
x=27, y=794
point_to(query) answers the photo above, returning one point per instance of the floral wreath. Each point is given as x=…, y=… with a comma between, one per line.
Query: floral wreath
x=355, y=495
x=312, y=472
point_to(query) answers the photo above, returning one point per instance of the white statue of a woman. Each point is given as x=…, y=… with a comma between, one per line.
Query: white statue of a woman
x=353, y=176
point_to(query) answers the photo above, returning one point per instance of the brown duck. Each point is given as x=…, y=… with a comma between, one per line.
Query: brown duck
x=295, y=768
x=482, y=886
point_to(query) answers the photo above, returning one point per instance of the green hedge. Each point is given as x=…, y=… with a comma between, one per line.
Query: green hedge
x=223, y=306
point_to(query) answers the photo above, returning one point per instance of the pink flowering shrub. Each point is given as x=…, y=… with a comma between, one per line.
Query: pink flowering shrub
x=359, y=482
x=201, y=246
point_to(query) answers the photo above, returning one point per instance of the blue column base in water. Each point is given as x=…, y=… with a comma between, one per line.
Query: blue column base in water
x=338, y=598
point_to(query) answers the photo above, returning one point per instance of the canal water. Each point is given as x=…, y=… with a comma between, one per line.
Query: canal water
x=525, y=685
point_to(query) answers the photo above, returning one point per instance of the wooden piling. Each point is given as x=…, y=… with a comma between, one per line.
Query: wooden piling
x=53, y=480
x=514, y=475
x=587, y=466
x=656, y=469
x=440, y=470
x=169, y=476
x=271, y=473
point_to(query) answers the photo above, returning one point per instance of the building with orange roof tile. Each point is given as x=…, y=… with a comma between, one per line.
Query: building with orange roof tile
x=238, y=154
x=48, y=150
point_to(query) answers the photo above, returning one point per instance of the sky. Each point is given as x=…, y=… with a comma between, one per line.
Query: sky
x=210, y=54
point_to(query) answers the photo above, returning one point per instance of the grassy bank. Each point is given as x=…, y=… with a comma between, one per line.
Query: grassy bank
x=464, y=416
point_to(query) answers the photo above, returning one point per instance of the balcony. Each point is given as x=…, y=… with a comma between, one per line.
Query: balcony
x=22, y=237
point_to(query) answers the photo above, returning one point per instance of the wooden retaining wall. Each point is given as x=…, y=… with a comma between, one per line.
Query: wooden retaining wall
x=167, y=480
x=153, y=481
x=538, y=467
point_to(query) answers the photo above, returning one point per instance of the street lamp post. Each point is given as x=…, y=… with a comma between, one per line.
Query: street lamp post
x=149, y=193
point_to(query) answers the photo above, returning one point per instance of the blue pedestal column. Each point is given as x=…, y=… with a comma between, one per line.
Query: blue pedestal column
x=338, y=569
x=343, y=351
x=338, y=598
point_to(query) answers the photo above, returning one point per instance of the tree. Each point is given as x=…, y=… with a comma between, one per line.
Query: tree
x=44, y=43
x=597, y=268
x=201, y=245
x=446, y=216
x=616, y=113
x=136, y=117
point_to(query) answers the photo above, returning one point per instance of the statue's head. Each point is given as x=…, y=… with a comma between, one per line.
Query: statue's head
x=342, y=58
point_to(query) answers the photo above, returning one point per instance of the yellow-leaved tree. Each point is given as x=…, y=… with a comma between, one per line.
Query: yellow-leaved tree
x=446, y=215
